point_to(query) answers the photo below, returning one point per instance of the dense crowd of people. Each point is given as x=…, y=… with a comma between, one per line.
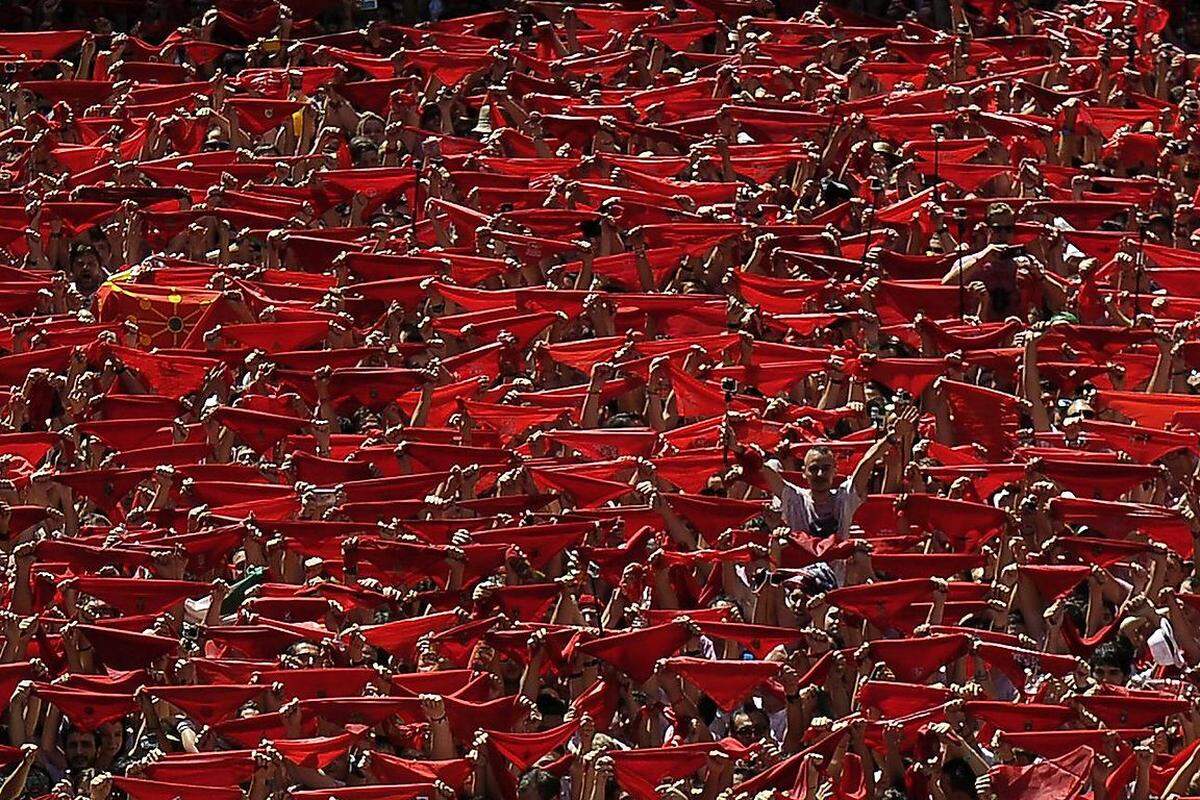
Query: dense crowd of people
x=708, y=400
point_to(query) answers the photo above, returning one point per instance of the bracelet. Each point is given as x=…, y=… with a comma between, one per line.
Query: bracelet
x=442, y=718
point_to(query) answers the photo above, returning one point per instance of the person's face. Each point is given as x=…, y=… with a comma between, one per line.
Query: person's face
x=820, y=471
x=1179, y=464
x=339, y=765
x=88, y=277
x=747, y=729
x=1191, y=30
x=1000, y=232
x=112, y=736
x=306, y=655
x=1159, y=231
x=373, y=130
x=1107, y=673
x=368, y=159
x=80, y=750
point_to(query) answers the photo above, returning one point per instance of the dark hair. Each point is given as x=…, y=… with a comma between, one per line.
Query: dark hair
x=707, y=709
x=1111, y=654
x=71, y=728
x=546, y=784
x=360, y=146
x=960, y=776
x=81, y=249
x=1075, y=609
x=834, y=192
x=621, y=420
x=551, y=704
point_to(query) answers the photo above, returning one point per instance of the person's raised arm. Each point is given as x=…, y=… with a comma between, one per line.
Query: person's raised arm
x=1141, y=785
x=968, y=265
x=1031, y=386
x=1164, y=365
x=590, y=414
x=13, y=786
x=441, y=744
x=1179, y=782
x=897, y=431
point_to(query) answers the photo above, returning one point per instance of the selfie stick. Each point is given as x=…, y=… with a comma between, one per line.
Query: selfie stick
x=938, y=132
x=960, y=217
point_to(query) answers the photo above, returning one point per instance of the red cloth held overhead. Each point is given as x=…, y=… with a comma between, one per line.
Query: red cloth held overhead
x=208, y=705
x=88, y=710
x=220, y=768
x=524, y=749
x=138, y=595
x=1050, y=779
x=640, y=771
x=259, y=115
x=318, y=752
x=635, y=653
x=915, y=660
x=880, y=603
x=728, y=683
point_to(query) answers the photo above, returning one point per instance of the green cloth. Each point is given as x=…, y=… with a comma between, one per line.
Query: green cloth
x=237, y=592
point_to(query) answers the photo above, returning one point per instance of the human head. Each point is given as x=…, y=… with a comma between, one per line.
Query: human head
x=1109, y=664
x=749, y=726
x=1001, y=222
x=820, y=469
x=1191, y=29
x=86, y=269
x=110, y=738
x=80, y=747
x=538, y=784
x=551, y=707
x=305, y=654
x=1078, y=410
x=371, y=127
x=363, y=152
x=958, y=780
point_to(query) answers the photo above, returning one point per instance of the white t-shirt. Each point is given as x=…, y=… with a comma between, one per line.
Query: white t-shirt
x=800, y=512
